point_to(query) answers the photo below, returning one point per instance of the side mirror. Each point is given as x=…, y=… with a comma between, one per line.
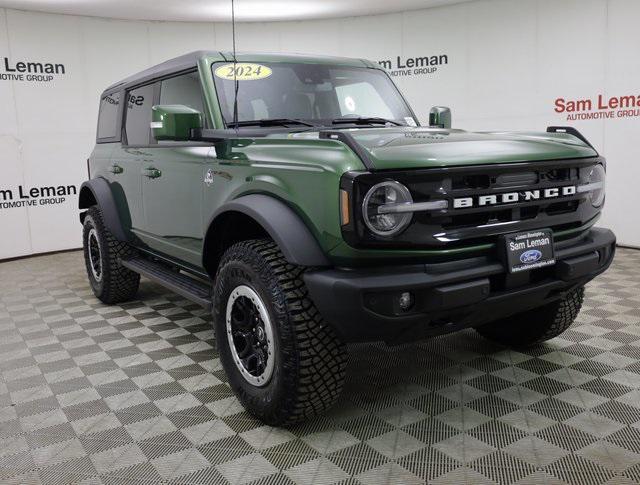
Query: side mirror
x=440, y=117
x=174, y=122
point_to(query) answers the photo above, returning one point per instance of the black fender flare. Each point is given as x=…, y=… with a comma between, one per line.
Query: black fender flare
x=97, y=191
x=284, y=226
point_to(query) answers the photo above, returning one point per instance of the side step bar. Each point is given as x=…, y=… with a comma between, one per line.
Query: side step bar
x=190, y=288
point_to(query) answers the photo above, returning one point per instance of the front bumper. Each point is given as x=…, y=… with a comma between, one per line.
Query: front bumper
x=362, y=304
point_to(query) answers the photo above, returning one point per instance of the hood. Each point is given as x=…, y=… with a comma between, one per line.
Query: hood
x=393, y=148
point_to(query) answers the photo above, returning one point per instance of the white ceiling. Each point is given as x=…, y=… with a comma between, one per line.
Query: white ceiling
x=220, y=10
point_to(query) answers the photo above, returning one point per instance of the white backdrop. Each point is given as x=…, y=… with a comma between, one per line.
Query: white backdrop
x=507, y=62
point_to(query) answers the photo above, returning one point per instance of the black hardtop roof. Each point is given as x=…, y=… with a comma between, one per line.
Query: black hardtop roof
x=190, y=60
x=176, y=64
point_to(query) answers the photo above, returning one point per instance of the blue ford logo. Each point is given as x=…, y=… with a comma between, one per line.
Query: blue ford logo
x=530, y=256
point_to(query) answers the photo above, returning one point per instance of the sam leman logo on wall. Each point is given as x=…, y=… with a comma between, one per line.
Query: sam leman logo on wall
x=414, y=66
x=23, y=196
x=31, y=71
x=599, y=108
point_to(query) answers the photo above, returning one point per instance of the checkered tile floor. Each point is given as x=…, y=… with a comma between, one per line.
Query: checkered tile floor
x=135, y=394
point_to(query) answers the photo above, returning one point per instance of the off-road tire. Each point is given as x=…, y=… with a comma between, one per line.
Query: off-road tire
x=310, y=360
x=537, y=325
x=117, y=283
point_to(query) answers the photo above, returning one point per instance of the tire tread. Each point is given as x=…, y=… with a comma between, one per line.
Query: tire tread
x=120, y=284
x=318, y=355
x=537, y=325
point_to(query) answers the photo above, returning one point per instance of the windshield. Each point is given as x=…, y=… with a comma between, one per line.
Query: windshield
x=318, y=94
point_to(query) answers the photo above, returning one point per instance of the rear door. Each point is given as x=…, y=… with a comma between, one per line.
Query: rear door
x=172, y=179
x=116, y=165
x=127, y=159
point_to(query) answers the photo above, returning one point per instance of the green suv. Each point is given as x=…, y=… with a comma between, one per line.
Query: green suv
x=300, y=200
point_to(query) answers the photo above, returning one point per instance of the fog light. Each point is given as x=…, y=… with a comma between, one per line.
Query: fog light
x=405, y=301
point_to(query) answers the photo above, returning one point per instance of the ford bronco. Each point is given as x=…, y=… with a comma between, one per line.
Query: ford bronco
x=301, y=201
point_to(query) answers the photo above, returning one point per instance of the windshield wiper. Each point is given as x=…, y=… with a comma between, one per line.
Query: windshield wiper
x=270, y=122
x=363, y=120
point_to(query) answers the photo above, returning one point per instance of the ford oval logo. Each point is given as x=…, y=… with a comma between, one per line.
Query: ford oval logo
x=530, y=256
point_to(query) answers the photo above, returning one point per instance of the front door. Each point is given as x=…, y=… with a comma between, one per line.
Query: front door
x=172, y=181
x=173, y=178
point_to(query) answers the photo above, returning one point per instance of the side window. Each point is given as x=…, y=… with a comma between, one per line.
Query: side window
x=183, y=90
x=108, y=117
x=139, y=103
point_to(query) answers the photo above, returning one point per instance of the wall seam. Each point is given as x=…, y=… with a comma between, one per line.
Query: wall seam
x=18, y=131
x=607, y=43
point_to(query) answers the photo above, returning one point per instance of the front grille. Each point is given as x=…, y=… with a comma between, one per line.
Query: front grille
x=471, y=185
x=477, y=225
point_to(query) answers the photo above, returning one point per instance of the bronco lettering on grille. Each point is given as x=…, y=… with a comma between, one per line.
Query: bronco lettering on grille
x=513, y=197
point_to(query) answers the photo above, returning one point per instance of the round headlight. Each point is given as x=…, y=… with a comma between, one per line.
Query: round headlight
x=378, y=208
x=596, y=176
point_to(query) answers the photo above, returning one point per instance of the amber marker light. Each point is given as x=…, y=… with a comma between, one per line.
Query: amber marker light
x=345, y=209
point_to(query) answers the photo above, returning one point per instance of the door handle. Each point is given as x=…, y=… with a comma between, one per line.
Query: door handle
x=152, y=173
x=116, y=169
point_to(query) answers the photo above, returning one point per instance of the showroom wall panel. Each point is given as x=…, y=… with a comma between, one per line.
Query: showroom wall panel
x=168, y=40
x=52, y=121
x=14, y=224
x=47, y=143
x=500, y=65
x=621, y=136
x=318, y=37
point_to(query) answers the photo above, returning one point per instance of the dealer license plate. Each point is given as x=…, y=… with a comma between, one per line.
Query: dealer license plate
x=529, y=250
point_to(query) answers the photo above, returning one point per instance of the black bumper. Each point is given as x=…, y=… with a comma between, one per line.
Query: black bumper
x=362, y=304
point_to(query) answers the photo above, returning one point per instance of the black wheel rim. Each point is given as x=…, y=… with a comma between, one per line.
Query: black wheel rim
x=95, y=259
x=250, y=335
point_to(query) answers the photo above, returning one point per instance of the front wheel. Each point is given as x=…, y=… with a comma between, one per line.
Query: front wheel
x=537, y=325
x=283, y=362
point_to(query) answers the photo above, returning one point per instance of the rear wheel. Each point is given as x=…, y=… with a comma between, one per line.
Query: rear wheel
x=537, y=325
x=110, y=281
x=283, y=362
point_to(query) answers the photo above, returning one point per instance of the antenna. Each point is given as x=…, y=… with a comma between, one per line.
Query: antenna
x=235, y=68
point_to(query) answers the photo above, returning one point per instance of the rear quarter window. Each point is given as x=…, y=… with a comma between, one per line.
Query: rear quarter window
x=108, y=116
